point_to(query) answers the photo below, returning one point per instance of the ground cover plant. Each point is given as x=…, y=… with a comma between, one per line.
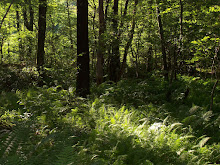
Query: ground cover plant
x=127, y=123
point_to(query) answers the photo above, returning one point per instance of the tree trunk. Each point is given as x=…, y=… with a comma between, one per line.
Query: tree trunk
x=1, y=50
x=29, y=24
x=122, y=19
x=82, y=81
x=114, y=66
x=41, y=33
x=181, y=24
x=70, y=24
x=52, y=42
x=19, y=29
x=6, y=14
x=9, y=29
x=212, y=95
x=106, y=9
x=174, y=64
x=179, y=54
x=94, y=48
x=162, y=40
x=101, y=46
x=149, y=60
x=18, y=19
x=131, y=35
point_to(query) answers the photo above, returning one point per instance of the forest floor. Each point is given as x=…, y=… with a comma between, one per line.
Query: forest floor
x=136, y=122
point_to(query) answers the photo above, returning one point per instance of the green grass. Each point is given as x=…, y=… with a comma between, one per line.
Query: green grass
x=132, y=122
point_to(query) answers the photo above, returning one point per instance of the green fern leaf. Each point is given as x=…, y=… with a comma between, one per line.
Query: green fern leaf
x=203, y=141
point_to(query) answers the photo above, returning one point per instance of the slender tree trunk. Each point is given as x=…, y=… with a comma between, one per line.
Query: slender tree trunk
x=131, y=35
x=69, y=24
x=41, y=33
x=212, y=94
x=29, y=24
x=94, y=49
x=9, y=29
x=174, y=64
x=179, y=54
x=149, y=60
x=101, y=46
x=106, y=9
x=5, y=14
x=18, y=29
x=181, y=24
x=162, y=40
x=1, y=49
x=122, y=19
x=82, y=81
x=114, y=66
x=18, y=19
x=52, y=42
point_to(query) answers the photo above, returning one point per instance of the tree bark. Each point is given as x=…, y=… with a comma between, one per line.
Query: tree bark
x=82, y=81
x=162, y=40
x=41, y=33
x=101, y=46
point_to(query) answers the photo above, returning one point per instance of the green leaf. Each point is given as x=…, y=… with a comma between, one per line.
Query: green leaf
x=203, y=141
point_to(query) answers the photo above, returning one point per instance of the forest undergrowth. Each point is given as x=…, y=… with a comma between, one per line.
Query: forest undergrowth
x=137, y=122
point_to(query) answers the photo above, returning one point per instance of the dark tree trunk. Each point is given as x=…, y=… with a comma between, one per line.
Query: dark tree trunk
x=181, y=23
x=82, y=82
x=1, y=49
x=29, y=24
x=101, y=46
x=114, y=66
x=165, y=68
x=41, y=33
x=106, y=9
x=9, y=28
x=18, y=20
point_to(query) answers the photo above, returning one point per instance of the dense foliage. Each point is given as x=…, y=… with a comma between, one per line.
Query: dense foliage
x=128, y=123
x=154, y=94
